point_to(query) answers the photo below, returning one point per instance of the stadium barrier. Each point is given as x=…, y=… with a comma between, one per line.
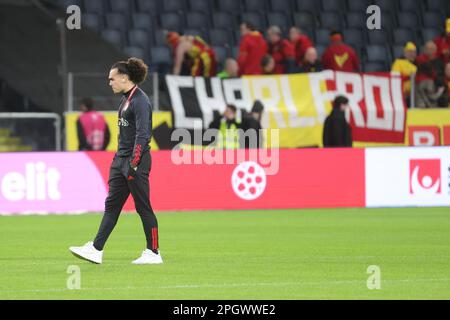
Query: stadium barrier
x=424, y=127
x=159, y=120
x=95, y=85
x=75, y=182
x=30, y=131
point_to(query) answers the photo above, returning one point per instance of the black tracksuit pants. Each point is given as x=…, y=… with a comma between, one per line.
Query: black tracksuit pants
x=120, y=188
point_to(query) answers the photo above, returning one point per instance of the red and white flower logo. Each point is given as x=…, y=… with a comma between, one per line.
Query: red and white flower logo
x=248, y=180
x=425, y=176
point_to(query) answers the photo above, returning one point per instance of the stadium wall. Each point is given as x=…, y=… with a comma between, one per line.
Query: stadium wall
x=76, y=182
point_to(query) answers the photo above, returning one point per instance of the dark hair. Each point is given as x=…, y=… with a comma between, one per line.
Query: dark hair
x=335, y=32
x=88, y=103
x=425, y=68
x=232, y=107
x=339, y=101
x=134, y=68
x=258, y=107
x=265, y=60
x=249, y=25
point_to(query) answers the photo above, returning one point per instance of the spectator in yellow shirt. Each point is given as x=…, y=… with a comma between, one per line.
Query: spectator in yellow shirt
x=406, y=66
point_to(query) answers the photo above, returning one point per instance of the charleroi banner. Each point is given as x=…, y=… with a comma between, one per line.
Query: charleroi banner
x=296, y=104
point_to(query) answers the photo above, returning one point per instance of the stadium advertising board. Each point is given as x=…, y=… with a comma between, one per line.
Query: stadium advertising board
x=296, y=104
x=407, y=177
x=428, y=127
x=77, y=181
x=424, y=127
x=160, y=120
x=301, y=179
x=50, y=182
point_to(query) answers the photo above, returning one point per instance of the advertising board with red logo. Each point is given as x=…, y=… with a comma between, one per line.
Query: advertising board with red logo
x=307, y=178
x=76, y=182
x=408, y=176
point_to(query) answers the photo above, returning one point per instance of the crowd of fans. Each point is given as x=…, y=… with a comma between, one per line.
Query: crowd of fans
x=257, y=55
x=429, y=71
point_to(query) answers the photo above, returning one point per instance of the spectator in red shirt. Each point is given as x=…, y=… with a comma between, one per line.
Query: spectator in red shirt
x=427, y=93
x=429, y=55
x=251, y=50
x=443, y=44
x=339, y=56
x=281, y=50
x=301, y=43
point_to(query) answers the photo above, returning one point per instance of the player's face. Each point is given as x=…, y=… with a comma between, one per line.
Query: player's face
x=232, y=68
x=270, y=66
x=447, y=70
x=229, y=114
x=273, y=37
x=116, y=81
x=243, y=29
x=293, y=34
x=311, y=55
x=345, y=106
x=410, y=54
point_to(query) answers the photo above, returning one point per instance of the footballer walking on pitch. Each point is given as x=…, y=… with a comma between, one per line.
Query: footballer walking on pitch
x=131, y=166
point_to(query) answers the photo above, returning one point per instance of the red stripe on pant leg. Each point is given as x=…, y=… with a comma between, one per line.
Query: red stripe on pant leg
x=154, y=238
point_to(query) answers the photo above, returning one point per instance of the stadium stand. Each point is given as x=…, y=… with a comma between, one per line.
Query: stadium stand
x=204, y=6
x=197, y=20
x=218, y=21
x=143, y=21
x=139, y=38
x=148, y=6
x=357, y=6
x=378, y=37
x=220, y=37
x=92, y=21
x=281, y=19
x=256, y=5
x=37, y=31
x=304, y=20
x=120, y=6
x=174, y=5
x=285, y=6
x=223, y=20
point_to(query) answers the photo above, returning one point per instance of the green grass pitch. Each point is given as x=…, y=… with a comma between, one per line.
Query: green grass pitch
x=283, y=254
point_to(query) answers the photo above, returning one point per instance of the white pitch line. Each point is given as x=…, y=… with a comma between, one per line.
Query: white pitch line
x=229, y=285
x=309, y=258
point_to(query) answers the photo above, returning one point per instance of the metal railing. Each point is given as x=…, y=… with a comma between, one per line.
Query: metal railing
x=412, y=101
x=34, y=129
x=95, y=85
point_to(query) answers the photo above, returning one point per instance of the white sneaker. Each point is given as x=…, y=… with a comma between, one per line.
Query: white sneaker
x=88, y=252
x=148, y=257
